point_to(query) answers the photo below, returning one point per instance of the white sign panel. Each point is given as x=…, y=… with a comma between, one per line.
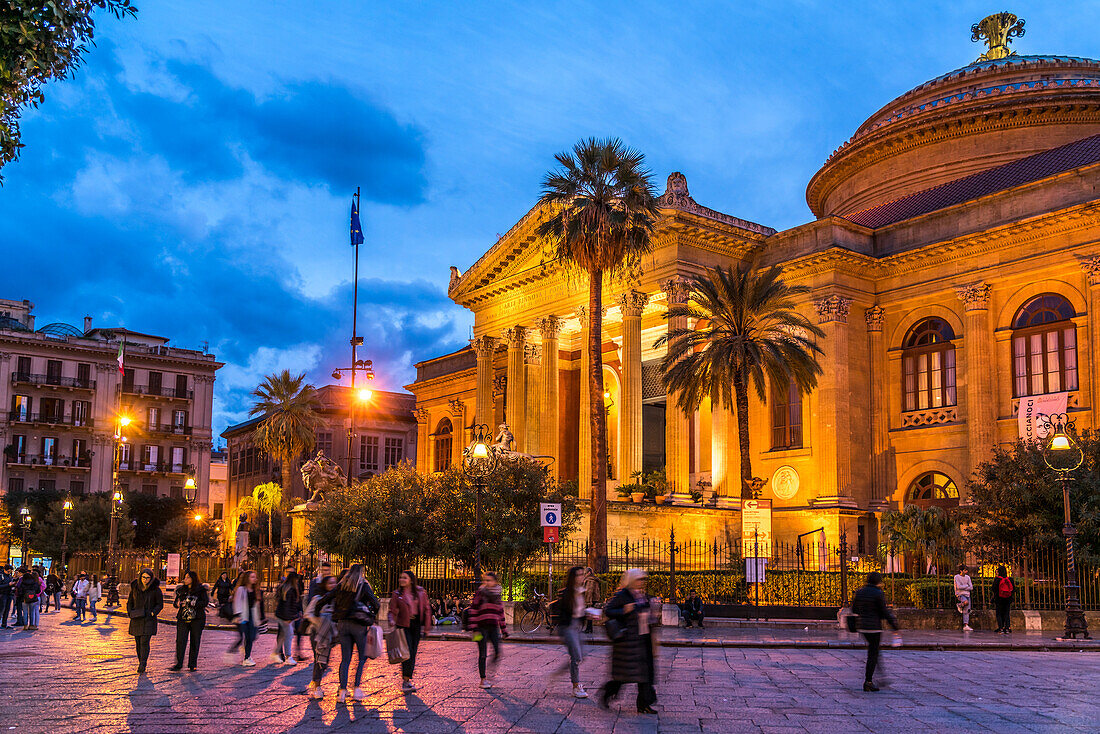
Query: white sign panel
x=173, y=565
x=550, y=514
x=755, y=570
x=756, y=528
x=1034, y=411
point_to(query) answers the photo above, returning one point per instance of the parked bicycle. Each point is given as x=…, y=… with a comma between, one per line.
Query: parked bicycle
x=536, y=613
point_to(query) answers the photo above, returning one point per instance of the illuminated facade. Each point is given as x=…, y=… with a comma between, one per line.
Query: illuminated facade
x=954, y=265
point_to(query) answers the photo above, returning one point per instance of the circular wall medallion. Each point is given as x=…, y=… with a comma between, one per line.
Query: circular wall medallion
x=785, y=482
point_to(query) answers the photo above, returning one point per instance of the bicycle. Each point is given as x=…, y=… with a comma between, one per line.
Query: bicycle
x=536, y=613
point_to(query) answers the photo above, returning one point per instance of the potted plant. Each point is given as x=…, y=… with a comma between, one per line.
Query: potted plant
x=633, y=490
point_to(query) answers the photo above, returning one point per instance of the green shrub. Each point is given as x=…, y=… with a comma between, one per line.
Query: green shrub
x=932, y=594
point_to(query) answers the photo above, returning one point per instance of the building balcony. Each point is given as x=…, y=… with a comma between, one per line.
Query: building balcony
x=159, y=467
x=54, y=381
x=50, y=419
x=167, y=429
x=49, y=461
x=152, y=391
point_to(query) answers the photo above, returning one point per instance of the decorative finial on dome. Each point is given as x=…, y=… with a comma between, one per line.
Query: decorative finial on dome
x=997, y=30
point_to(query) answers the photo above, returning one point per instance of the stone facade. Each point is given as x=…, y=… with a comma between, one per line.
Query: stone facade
x=953, y=267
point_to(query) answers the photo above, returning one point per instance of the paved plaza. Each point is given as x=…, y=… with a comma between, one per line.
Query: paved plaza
x=69, y=678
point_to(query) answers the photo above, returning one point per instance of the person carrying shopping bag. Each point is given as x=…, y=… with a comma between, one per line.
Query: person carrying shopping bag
x=411, y=612
x=354, y=611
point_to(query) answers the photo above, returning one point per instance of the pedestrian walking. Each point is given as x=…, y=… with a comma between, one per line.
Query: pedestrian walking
x=80, y=596
x=288, y=610
x=222, y=591
x=248, y=611
x=302, y=629
x=486, y=621
x=571, y=616
x=869, y=605
x=29, y=593
x=190, y=603
x=1004, y=591
x=632, y=653
x=95, y=593
x=53, y=593
x=593, y=594
x=411, y=611
x=964, y=589
x=354, y=610
x=142, y=606
x=7, y=590
x=322, y=632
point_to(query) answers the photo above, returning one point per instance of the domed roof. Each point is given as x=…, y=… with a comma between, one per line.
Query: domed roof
x=982, y=115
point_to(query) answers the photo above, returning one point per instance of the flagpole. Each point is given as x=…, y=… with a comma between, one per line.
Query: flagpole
x=354, y=342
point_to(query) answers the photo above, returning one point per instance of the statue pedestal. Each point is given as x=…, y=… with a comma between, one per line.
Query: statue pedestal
x=301, y=520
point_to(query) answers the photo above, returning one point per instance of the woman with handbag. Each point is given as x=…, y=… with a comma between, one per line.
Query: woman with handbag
x=322, y=633
x=248, y=610
x=191, y=602
x=143, y=605
x=570, y=621
x=411, y=612
x=628, y=626
x=288, y=609
x=486, y=621
x=354, y=610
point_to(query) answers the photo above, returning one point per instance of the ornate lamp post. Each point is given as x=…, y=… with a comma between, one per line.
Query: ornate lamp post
x=1064, y=456
x=190, y=494
x=479, y=459
x=362, y=395
x=25, y=522
x=116, y=509
x=66, y=523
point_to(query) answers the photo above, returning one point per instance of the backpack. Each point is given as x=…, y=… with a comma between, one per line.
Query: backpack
x=1005, y=588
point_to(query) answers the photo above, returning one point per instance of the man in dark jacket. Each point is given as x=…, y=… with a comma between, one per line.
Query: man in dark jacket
x=869, y=605
x=7, y=581
x=692, y=609
x=1002, y=593
x=142, y=606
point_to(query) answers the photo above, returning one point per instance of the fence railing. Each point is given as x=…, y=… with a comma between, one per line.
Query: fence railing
x=807, y=574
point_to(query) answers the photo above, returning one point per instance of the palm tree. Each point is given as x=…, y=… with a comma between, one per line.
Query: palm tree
x=748, y=331
x=601, y=208
x=289, y=409
x=266, y=499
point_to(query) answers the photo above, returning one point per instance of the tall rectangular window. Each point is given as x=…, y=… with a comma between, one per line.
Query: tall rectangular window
x=24, y=368
x=53, y=371
x=392, y=451
x=124, y=455
x=82, y=409
x=786, y=416
x=368, y=453
x=15, y=484
x=76, y=487
x=150, y=457
x=152, y=418
x=149, y=489
x=178, y=458
x=19, y=442
x=20, y=407
x=52, y=410
x=128, y=380
x=179, y=418
x=324, y=442
x=181, y=386
x=155, y=380
x=48, y=485
x=84, y=375
x=49, y=450
x=80, y=445
x=217, y=511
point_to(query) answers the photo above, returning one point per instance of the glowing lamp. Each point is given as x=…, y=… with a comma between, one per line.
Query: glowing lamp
x=1060, y=443
x=365, y=395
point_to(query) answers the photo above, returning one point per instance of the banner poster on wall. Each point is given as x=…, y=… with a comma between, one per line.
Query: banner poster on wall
x=1035, y=410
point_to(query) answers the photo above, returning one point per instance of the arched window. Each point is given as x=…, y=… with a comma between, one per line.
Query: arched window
x=933, y=489
x=443, y=437
x=928, y=366
x=1044, y=347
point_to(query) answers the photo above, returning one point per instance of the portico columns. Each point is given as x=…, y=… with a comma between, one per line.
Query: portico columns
x=532, y=358
x=978, y=339
x=677, y=423
x=516, y=389
x=630, y=419
x=549, y=328
x=834, y=400
x=880, y=431
x=484, y=348
x=725, y=457
x=584, y=415
x=424, y=449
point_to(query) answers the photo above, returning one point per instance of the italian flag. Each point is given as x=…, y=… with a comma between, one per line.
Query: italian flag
x=121, y=352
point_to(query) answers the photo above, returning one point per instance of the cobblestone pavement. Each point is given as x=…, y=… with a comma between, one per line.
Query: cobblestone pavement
x=71, y=678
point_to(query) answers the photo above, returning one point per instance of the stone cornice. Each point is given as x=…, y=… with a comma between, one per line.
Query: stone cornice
x=834, y=259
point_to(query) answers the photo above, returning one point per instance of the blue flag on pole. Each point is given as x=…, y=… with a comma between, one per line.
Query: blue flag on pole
x=356, y=228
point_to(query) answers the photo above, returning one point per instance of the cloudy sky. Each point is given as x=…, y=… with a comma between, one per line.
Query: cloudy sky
x=194, y=179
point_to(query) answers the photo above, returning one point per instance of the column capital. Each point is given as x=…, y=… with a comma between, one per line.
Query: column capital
x=484, y=346
x=875, y=316
x=975, y=296
x=832, y=309
x=421, y=415
x=532, y=354
x=582, y=315
x=549, y=327
x=514, y=337
x=500, y=384
x=632, y=303
x=677, y=289
x=1091, y=266
x=457, y=407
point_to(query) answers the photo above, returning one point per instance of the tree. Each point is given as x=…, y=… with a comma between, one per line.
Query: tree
x=511, y=531
x=748, y=331
x=1015, y=497
x=289, y=409
x=266, y=499
x=601, y=208
x=919, y=531
x=152, y=513
x=40, y=41
x=90, y=530
x=388, y=520
x=203, y=533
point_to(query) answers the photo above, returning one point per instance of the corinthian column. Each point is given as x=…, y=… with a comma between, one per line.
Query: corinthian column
x=978, y=338
x=834, y=399
x=677, y=423
x=515, y=398
x=632, y=303
x=549, y=328
x=532, y=358
x=725, y=457
x=584, y=415
x=423, y=441
x=484, y=348
x=880, y=430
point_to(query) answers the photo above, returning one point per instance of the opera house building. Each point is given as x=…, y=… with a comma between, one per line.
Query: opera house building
x=954, y=266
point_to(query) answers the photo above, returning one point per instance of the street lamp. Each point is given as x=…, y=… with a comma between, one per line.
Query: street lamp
x=122, y=420
x=25, y=522
x=362, y=395
x=190, y=494
x=66, y=523
x=479, y=459
x=1064, y=456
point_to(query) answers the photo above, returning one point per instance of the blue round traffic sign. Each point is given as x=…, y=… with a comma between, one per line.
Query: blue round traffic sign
x=551, y=518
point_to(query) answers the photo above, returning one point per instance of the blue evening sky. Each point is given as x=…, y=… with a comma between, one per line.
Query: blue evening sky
x=194, y=179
